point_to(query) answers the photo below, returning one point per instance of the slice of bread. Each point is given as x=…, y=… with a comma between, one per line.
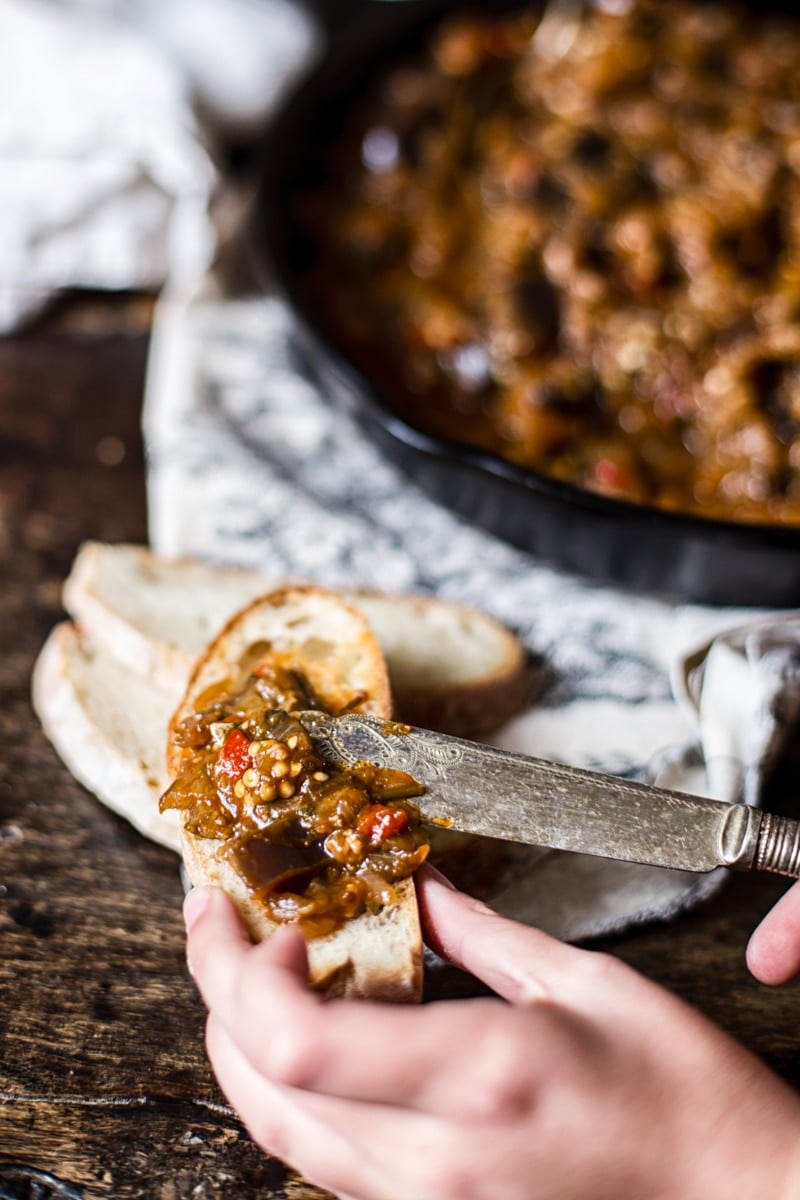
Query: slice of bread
x=108, y=726
x=105, y=692
x=155, y=614
x=375, y=955
x=451, y=667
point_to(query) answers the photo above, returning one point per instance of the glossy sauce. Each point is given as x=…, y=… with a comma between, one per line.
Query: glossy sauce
x=317, y=843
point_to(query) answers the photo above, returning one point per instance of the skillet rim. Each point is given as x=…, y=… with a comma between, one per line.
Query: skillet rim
x=355, y=56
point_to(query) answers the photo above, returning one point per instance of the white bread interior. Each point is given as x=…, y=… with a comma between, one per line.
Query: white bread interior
x=452, y=668
x=155, y=614
x=108, y=725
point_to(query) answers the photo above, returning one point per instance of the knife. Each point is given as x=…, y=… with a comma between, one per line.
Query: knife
x=495, y=793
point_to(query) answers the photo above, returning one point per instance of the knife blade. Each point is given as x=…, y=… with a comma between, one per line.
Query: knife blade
x=496, y=793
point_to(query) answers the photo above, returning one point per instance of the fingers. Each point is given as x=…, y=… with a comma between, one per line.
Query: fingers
x=366, y=1151
x=457, y=1059
x=322, y=1148
x=235, y=977
x=521, y=964
x=287, y=945
x=773, y=953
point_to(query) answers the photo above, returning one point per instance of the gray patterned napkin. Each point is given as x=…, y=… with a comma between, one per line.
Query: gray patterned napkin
x=250, y=463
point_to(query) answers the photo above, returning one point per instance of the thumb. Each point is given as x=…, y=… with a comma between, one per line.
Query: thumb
x=773, y=953
x=521, y=964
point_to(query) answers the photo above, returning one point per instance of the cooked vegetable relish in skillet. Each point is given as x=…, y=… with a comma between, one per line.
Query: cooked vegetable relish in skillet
x=317, y=843
x=585, y=262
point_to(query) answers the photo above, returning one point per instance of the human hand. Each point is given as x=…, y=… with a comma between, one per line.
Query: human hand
x=773, y=952
x=588, y=1083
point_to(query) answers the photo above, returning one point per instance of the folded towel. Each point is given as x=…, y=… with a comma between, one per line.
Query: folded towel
x=109, y=124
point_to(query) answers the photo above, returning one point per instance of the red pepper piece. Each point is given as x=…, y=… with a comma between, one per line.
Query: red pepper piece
x=379, y=822
x=611, y=474
x=233, y=757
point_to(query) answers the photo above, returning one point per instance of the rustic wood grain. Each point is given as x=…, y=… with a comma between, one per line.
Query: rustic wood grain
x=104, y=1086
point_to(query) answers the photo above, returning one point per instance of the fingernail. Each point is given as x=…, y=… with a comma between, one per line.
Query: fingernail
x=196, y=903
x=434, y=873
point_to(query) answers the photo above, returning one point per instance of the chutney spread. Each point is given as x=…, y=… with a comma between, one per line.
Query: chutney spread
x=585, y=261
x=316, y=842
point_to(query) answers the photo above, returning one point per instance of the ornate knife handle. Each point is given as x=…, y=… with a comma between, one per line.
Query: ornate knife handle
x=778, y=846
x=671, y=829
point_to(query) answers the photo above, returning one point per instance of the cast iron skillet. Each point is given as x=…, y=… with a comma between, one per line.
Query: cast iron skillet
x=675, y=556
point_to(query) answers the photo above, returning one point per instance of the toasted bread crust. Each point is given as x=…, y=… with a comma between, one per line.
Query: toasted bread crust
x=329, y=641
x=375, y=955
x=107, y=725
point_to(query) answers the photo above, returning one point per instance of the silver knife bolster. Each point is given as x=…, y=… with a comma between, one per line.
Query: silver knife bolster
x=495, y=793
x=751, y=839
x=776, y=844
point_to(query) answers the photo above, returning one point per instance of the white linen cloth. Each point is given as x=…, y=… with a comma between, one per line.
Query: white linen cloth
x=106, y=172
x=107, y=177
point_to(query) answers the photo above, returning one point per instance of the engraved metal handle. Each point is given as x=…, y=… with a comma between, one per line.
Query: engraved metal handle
x=778, y=846
x=494, y=793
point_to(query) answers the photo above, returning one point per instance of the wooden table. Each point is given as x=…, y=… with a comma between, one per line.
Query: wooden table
x=104, y=1086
